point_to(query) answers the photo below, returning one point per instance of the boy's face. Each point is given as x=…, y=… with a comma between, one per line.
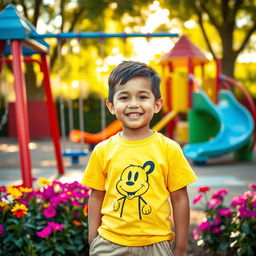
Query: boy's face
x=134, y=104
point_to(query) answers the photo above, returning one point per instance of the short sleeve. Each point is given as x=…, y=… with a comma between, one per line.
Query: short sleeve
x=180, y=172
x=93, y=176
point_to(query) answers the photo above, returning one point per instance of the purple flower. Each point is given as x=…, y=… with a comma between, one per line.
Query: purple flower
x=238, y=200
x=216, y=230
x=224, y=212
x=55, y=226
x=47, y=231
x=1, y=229
x=22, y=201
x=214, y=202
x=254, y=203
x=244, y=212
x=217, y=221
x=253, y=186
x=49, y=212
x=220, y=193
x=204, y=225
x=197, y=199
x=48, y=192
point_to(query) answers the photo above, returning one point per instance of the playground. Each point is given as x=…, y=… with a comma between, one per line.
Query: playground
x=216, y=129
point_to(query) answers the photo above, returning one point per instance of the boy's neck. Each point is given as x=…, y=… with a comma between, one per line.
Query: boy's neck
x=135, y=135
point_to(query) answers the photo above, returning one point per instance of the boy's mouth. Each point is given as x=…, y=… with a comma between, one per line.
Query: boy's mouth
x=134, y=115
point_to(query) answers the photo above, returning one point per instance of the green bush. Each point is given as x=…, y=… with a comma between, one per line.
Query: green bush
x=48, y=221
x=231, y=230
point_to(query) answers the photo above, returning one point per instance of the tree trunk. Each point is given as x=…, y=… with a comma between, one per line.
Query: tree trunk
x=33, y=91
x=228, y=65
x=228, y=53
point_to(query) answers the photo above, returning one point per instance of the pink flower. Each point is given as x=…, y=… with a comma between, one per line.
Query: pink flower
x=195, y=234
x=44, y=232
x=55, y=226
x=248, y=194
x=1, y=229
x=253, y=186
x=216, y=230
x=204, y=226
x=217, y=221
x=197, y=199
x=214, y=202
x=220, y=193
x=244, y=212
x=238, y=200
x=224, y=212
x=49, y=212
x=254, y=203
x=203, y=189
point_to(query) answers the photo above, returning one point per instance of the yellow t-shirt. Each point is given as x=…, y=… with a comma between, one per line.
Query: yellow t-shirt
x=138, y=177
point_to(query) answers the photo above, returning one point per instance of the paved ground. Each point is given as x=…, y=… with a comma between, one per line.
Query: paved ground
x=219, y=173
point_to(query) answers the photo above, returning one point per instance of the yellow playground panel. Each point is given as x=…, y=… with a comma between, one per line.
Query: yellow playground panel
x=182, y=132
x=209, y=86
x=180, y=92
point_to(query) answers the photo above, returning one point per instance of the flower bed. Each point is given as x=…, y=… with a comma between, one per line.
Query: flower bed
x=230, y=230
x=51, y=220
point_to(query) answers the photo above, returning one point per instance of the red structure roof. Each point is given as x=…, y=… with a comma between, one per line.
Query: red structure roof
x=182, y=51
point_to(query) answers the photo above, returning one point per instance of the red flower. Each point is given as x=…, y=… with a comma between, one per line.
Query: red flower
x=203, y=189
x=19, y=210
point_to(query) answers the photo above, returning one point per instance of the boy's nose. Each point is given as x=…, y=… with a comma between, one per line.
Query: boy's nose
x=133, y=103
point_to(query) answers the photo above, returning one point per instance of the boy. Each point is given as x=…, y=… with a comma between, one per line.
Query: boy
x=134, y=173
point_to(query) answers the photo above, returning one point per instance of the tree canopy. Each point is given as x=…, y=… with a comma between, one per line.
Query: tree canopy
x=225, y=25
x=233, y=21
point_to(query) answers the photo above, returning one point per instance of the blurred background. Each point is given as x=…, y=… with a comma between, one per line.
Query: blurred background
x=222, y=29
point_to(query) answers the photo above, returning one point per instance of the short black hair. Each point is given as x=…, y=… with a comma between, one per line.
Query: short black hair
x=127, y=70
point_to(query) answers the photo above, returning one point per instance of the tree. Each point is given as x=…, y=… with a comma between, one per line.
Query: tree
x=233, y=20
x=77, y=15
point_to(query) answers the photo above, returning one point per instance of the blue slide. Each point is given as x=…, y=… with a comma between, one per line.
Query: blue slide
x=236, y=128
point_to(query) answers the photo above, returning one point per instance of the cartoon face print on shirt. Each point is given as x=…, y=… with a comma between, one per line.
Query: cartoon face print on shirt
x=133, y=183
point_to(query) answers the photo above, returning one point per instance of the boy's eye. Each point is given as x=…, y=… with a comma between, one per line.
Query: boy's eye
x=143, y=97
x=123, y=98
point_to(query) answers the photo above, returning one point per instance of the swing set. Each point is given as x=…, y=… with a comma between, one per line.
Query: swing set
x=23, y=40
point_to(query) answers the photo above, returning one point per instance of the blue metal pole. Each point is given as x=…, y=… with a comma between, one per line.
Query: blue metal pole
x=68, y=35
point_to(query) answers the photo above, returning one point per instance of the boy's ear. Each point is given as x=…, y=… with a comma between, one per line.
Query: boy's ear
x=110, y=107
x=158, y=105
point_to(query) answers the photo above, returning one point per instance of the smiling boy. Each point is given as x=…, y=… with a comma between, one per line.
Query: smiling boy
x=136, y=173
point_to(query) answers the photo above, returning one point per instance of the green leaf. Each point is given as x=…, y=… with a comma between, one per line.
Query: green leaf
x=80, y=247
x=48, y=253
x=13, y=227
x=11, y=221
x=223, y=246
x=60, y=249
x=245, y=228
x=19, y=242
x=70, y=247
x=250, y=251
x=9, y=238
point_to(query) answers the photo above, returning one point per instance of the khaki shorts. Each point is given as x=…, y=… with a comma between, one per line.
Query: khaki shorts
x=103, y=247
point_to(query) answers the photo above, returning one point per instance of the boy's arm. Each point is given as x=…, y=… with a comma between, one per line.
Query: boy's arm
x=180, y=205
x=94, y=212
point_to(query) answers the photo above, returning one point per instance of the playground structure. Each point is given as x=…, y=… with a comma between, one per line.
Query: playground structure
x=206, y=129
x=207, y=118
x=18, y=37
x=215, y=122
